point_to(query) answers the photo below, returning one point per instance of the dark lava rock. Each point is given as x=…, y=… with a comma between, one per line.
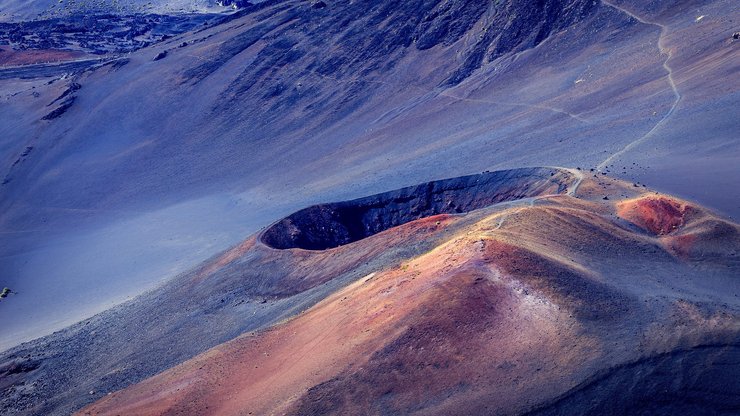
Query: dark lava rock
x=160, y=55
x=63, y=107
x=70, y=89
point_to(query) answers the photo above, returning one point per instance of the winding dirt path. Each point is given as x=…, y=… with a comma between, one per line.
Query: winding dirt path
x=664, y=51
x=530, y=202
x=579, y=178
x=438, y=92
x=510, y=104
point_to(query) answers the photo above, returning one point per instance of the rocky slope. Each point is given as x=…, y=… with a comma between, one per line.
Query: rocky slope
x=472, y=290
x=34, y=10
x=119, y=175
x=553, y=304
x=249, y=287
x=79, y=35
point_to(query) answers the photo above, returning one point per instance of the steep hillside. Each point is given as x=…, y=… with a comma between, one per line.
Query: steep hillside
x=553, y=305
x=248, y=287
x=545, y=256
x=119, y=175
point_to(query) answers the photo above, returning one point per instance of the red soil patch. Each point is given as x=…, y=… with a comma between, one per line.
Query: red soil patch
x=659, y=215
x=684, y=230
x=10, y=57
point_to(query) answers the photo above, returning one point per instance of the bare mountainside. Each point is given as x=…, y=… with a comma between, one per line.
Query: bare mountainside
x=13, y=11
x=121, y=173
x=218, y=132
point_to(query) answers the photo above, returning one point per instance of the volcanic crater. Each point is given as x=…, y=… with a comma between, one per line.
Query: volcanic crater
x=326, y=226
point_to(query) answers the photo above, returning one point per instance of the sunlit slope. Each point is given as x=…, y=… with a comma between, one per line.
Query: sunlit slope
x=545, y=306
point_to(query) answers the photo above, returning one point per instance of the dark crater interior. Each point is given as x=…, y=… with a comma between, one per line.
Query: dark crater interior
x=325, y=226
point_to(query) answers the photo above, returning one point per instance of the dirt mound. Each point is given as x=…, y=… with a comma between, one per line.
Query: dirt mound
x=659, y=215
x=684, y=230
